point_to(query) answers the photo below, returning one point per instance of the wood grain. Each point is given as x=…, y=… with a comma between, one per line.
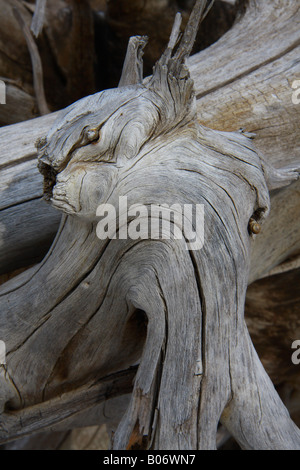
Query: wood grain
x=93, y=308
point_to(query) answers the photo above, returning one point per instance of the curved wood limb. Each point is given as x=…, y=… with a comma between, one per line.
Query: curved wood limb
x=96, y=306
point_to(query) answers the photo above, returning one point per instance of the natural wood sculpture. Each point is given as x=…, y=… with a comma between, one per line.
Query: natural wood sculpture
x=95, y=308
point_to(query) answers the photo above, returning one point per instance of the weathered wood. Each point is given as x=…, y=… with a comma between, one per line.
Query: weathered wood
x=280, y=237
x=66, y=48
x=66, y=406
x=37, y=68
x=27, y=224
x=154, y=18
x=97, y=303
x=272, y=314
x=253, y=88
x=38, y=17
x=41, y=441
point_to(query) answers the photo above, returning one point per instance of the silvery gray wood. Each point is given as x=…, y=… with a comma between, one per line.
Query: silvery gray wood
x=93, y=308
x=38, y=17
x=251, y=86
x=27, y=224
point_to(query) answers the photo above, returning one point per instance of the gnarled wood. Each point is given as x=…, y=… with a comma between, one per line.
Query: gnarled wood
x=253, y=88
x=97, y=303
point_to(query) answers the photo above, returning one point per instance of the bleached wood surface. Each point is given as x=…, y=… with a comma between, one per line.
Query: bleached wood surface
x=251, y=89
x=27, y=224
x=87, y=298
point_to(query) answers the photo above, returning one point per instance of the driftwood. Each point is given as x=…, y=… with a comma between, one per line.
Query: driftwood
x=67, y=26
x=252, y=86
x=90, y=298
x=37, y=68
x=79, y=39
x=22, y=211
x=154, y=18
x=269, y=304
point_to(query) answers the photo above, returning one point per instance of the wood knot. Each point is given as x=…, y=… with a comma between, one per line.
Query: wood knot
x=41, y=143
x=254, y=226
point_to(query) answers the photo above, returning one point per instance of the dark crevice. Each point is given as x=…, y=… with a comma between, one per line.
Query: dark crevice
x=43, y=262
x=29, y=336
x=12, y=163
x=203, y=333
x=24, y=201
x=49, y=174
x=159, y=368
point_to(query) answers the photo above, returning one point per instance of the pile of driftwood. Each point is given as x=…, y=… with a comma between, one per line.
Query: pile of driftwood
x=140, y=334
